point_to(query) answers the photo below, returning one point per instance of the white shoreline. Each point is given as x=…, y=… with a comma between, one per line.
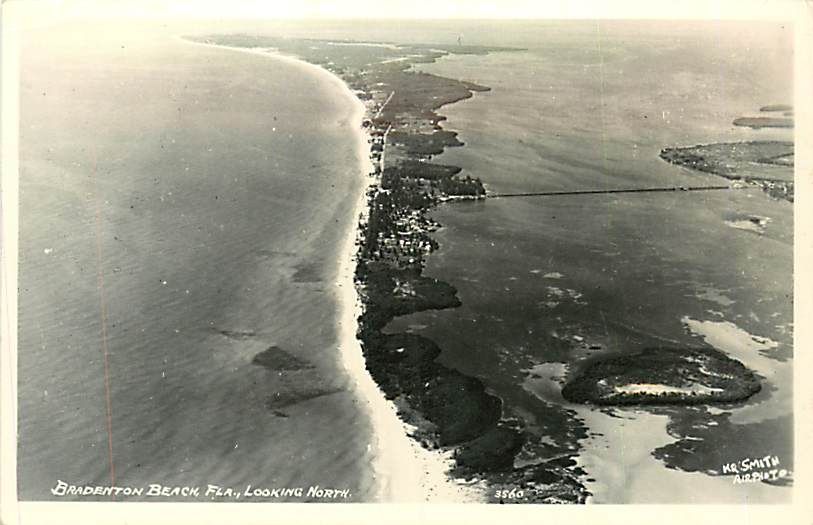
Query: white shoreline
x=403, y=470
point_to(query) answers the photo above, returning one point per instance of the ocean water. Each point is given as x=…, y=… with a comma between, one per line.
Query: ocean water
x=182, y=210
x=589, y=105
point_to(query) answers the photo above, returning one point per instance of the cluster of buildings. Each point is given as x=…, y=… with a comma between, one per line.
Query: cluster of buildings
x=397, y=233
x=397, y=229
x=777, y=188
x=406, y=244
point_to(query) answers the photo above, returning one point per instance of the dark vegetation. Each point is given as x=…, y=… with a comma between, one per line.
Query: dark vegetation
x=712, y=376
x=425, y=144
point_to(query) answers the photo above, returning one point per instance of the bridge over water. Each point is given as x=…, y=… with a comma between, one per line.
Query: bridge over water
x=620, y=190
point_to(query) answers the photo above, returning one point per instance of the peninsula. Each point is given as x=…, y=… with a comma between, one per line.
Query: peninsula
x=766, y=164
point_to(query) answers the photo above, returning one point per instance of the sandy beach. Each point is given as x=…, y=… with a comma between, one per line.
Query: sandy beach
x=405, y=471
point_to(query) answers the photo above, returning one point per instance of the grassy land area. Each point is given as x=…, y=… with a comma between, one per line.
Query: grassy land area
x=767, y=164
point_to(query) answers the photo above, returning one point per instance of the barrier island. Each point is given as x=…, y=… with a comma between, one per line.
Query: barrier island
x=450, y=410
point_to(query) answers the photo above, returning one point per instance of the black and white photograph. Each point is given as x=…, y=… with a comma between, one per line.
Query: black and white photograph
x=402, y=253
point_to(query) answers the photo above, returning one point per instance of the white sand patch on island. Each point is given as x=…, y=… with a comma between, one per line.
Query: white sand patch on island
x=363, y=44
x=404, y=471
x=657, y=389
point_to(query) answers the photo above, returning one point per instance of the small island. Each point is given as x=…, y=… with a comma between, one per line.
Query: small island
x=770, y=108
x=757, y=122
x=764, y=122
x=663, y=376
